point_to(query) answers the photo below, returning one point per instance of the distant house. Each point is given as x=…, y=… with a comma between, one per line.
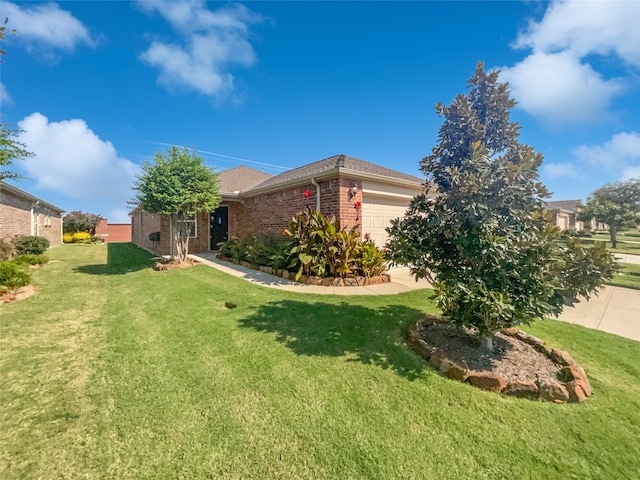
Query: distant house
x=256, y=203
x=565, y=213
x=23, y=214
x=113, y=232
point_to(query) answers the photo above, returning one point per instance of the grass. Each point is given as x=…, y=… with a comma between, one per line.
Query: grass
x=628, y=276
x=116, y=371
x=627, y=242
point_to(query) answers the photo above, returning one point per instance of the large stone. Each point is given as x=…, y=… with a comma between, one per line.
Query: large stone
x=327, y=282
x=575, y=372
x=350, y=282
x=522, y=389
x=511, y=331
x=542, y=348
x=338, y=282
x=385, y=278
x=376, y=280
x=413, y=336
x=423, y=349
x=286, y=274
x=577, y=390
x=436, y=358
x=360, y=281
x=453, y=370
x=530, y=339
x=302, y=279
x=314, y=280
x=487, y=381
x=553, y=391
x=561, y=357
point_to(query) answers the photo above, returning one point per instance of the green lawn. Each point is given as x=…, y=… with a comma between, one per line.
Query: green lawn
x=628, y=276
x=627, y=242
x=116, y=371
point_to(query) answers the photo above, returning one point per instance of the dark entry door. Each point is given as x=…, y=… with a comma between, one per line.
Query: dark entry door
x=219, y=226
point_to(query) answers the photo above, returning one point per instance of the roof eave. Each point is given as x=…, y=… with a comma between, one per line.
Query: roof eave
x=28, y=196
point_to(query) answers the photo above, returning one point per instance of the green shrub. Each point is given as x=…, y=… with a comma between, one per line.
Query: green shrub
x=12, y=276
x=30, y=259
x=371, y=261
x=31, y=244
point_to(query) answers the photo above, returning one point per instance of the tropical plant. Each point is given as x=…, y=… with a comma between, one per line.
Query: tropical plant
x=322, y=246
x=485, y=240
x=31, y=244
x=179, y=185
x=370, y=259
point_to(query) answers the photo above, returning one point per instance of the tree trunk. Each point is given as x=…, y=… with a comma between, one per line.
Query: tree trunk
x=487, y=342
x=612, y=234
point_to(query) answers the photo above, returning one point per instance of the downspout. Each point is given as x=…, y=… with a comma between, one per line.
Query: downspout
x=317, y=185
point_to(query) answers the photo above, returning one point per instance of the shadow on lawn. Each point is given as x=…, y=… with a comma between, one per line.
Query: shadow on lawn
x=121, y=258
x=374, y=336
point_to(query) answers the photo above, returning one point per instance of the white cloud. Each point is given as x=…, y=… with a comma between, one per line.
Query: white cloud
x=621, y=152
x=46, y=28
x=584, y=27
x=5, y=98
x=561, y=170
x=555, y=83
x=72, y=160
x=211, y=42
x=630, y=172
x=557, y=88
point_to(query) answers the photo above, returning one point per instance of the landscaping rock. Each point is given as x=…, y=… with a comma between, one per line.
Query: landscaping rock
x=286, y=274
x=314, y=280
x=512, y=332
x=350, y=282
x=553, y=391
x=385, y=278
x=561, y=357
x=424, y=350
x=436, y=356
x=337, y=282
x=375, y=281
x=530, y=339
x=522, y=390
x=302, y=279
x=413, y=336
x=576, y=373
x=577, y=390
x=360, y=281
x=327, y=282
x=542, y=348
x=245, y=264
x=453, y=370
x=487, y=381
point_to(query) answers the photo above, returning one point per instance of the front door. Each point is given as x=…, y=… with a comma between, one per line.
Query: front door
x=219, y=227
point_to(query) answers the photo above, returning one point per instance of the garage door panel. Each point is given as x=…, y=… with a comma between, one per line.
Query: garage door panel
x=377, y=213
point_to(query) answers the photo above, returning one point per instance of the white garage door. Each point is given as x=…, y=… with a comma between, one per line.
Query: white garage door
x=377, y=213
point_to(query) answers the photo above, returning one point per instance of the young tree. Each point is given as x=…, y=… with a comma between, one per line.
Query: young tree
x=617, y=205
x=77, y=221
x=485, y=240
x=179, y=185
x=10, y=150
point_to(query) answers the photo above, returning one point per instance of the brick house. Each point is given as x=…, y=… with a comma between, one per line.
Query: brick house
x=256, y=203
x=23, y=214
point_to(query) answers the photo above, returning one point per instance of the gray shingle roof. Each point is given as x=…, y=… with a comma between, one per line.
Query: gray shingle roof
x=336, y=162
x=240, y=179
x=571, y=205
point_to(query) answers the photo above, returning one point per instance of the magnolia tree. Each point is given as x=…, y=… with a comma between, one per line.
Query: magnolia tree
x=485, y=239
x=617, y=205
x=180, y=186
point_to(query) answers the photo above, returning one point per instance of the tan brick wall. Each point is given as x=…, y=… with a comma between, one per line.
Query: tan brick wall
x=16, y=219
x=142, y=224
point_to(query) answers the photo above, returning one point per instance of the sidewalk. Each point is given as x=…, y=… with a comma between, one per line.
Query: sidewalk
x=627, y=258
x=401, y=281
x=615, y=310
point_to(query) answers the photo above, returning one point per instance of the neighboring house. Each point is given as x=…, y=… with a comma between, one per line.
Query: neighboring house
x=256, y=203
x=24, y=214
x=113, y=232
x=564, y=216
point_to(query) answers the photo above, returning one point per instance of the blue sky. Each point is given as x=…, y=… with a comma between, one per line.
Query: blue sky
x=100, y=86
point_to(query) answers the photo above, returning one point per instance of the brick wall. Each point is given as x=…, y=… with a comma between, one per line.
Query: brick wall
x=18, y=216
x=270, y=213
x=113, y=232
x=142, y=224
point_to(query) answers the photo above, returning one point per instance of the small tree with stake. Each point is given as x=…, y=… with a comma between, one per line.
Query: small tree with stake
x=485, y=240
x=179, y=185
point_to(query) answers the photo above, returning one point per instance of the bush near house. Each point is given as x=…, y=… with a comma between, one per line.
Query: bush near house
x=30, y=259
x=316, y=246
x=31, y=244
x=12, y=276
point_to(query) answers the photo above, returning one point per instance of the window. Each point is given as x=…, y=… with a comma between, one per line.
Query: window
x=188, y=225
